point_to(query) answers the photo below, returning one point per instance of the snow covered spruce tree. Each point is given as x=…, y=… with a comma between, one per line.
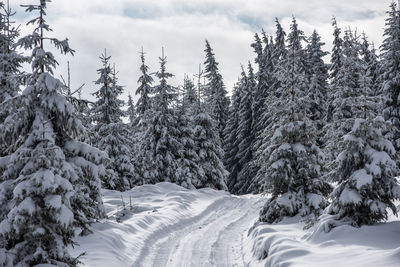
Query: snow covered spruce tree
x=274, y=58
x=371, y=63
x=344, y=95
x=190, y=101
x=337, y=53
x=245, y=134
x=268, y=121
x=11, y=61
x=292, y=170
x=144, y=114
x=131, y=112
x=231, y=160
x=51, y=181
x=217, y=101
x=264, y=78
x=160, y=145
x=212, y=172
x=112, y=133
x=144, y=90
x=318, y=81
x=188, y=172
x=335, y=66
x=390, y=75
x=370, y=81
x=365, y=170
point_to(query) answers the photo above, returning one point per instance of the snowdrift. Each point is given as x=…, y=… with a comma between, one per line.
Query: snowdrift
x=288, y=244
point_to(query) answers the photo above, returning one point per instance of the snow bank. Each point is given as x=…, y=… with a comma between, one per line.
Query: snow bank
x=124, y=237
x=288, y=244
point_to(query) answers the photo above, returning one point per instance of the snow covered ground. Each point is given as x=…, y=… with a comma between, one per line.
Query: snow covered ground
x=288, y=244
x=168, y=225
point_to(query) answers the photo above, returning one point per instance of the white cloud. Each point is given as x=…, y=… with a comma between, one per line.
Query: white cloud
x=181, y=26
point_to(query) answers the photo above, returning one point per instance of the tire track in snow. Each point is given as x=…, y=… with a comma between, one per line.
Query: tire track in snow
x=195, y=246
x=147, y=253
x=213, y=238
x=227, y=249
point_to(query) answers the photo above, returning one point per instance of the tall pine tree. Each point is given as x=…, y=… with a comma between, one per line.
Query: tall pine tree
x=51, y=181
x=216, y=95
x=245, y=134
x=144, y=90
x=390, y=75
x=159, y=148
x=318, y=81
x=113, y=135
x=292, y=166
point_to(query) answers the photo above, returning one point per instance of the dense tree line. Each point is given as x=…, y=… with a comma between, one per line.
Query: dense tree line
x=318, y=123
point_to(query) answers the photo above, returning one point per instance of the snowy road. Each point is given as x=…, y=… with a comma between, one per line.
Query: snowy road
x=168, y=225
x=212, y=238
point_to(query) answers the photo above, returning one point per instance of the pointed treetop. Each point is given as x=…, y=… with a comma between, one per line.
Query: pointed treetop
x=42, y=60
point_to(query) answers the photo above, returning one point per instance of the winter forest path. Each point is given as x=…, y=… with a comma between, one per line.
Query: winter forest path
x=212, y=238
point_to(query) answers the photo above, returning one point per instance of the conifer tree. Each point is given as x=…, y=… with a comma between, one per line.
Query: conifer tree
x=258, y=49
x=371, y=62
x=144, y=90
x=159, y=147
x=188, y=172
x=212, y=172
x=113, y=135
x=345, y=106
x=336, y=56
x=365, y=170
x=261, y=108
x=265, y=82
x=390, y=75
x=365, y=175
x=279, y=53
x=292, y=166
x=190, y=98
x=245, y=134
x=10, y=59
x=11, y=76
x=131, y=112
x=231, y=160
x=318, y=81
x=262, y=81
x=275, y=57
x=51, y=181
x=336, y=65
x=370, y=70
x=144, y=114
x=216, y=95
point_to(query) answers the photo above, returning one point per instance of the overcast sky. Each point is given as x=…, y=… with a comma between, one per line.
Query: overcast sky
x=181, y=26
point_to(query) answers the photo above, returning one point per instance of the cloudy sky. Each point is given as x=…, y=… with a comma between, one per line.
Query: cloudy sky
x=181, y=26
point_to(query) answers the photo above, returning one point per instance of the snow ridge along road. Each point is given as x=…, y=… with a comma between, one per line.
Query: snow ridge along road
x=168, y=225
